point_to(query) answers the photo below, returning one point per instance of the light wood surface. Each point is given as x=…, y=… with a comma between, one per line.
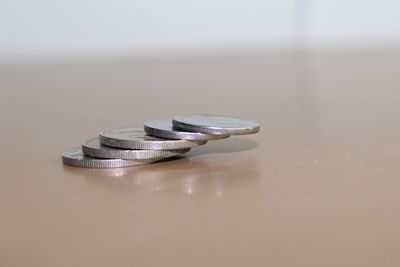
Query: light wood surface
x=318, y=186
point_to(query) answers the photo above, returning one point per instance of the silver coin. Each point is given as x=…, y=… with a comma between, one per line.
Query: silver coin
x=94, y=148
x=165, y=129
x=214, y=124
x=136, y=138
x=75, y=157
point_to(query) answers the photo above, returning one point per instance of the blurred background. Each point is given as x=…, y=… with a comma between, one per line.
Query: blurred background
x=59, y=29
x=319, y=184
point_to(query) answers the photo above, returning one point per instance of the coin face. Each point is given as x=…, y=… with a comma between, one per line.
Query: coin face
x=75, y=157
x=165, y=129
x=94, y=148
x=137, y=138
x=214, y=124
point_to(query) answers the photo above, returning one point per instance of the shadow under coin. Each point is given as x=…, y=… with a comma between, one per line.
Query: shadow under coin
x=186, y=176
x=229, y=145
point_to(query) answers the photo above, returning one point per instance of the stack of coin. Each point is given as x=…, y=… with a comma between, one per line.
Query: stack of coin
x=157, y=140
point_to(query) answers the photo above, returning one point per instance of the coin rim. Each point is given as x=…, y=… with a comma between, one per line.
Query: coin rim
x=179, y=134
x=167, y=144
x=128, y=154
x=99, y=163
x=214, y=129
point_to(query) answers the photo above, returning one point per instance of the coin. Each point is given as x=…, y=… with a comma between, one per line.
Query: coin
x=214, y=124
x=94, y=148
x=136, y=138
x=75, y=157
x=165, y=129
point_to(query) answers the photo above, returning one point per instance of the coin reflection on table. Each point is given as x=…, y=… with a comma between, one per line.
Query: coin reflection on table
x=187, y=176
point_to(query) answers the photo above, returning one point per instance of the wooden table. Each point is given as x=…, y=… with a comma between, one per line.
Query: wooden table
x=318, y=186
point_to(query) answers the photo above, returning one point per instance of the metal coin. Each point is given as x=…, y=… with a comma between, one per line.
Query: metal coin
x=136, y=138
x=214, y=124
x=75, y=157
x=165, y=129
x=94, y=148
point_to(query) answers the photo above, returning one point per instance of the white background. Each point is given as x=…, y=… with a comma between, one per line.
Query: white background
x=65, y=28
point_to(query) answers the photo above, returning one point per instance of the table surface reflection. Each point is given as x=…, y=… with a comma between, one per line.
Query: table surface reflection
x=318, y=186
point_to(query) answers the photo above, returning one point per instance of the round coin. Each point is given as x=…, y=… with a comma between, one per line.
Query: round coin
x=136, y=138
x=94, y=148
x=214, y=124
x=165, y=129
x=75, y=157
